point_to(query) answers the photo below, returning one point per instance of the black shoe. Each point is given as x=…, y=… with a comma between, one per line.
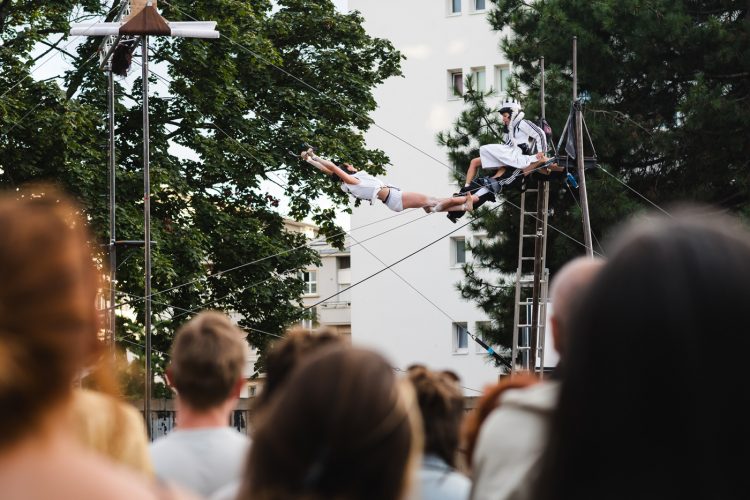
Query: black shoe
x=305, y=146
x=454, y=216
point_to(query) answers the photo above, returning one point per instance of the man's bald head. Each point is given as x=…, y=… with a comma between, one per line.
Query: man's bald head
x=567, y=286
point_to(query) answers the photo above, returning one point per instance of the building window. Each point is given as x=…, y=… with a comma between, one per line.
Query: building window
x=460, y=338
x=458, y=251
x=455, y=83
x=479, y=5
x=479, y=79
x=454, y=7
x=344, y=262
x=311, y=282
x=502, y=77
x=310, y=319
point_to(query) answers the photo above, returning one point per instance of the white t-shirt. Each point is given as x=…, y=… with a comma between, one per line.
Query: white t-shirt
x=200, y=460
x=368, y=186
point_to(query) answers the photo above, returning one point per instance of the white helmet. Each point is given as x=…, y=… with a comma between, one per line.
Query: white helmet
x=512, y=107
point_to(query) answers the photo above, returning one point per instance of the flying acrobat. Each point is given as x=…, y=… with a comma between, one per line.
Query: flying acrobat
x=364, y=186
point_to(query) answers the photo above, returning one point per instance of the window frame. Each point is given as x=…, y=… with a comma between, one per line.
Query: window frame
x=474, y=72
x=475, y=9
x=450, y=7
x=307, y=292
x=456, y=330
x=452, y=94
x=500, y=86
x=454, y=251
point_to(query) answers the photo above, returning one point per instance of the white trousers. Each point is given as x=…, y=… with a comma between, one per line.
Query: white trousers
x=494, y=156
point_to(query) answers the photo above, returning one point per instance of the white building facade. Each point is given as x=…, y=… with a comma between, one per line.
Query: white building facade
x=413, y=312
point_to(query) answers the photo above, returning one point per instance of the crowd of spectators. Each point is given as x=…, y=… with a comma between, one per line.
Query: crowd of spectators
x=645, y=402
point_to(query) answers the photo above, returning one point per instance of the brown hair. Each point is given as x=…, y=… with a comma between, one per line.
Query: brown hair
x=441, y=404
x=344, y=427
x=287, y=353
x=48, y=318
x=208, y=355
x=489, y=400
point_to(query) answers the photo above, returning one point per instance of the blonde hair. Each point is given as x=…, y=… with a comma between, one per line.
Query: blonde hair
x=48, y=318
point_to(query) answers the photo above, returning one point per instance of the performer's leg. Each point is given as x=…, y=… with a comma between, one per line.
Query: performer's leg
x=418, y=200
x=456, y=203
x=474, y=166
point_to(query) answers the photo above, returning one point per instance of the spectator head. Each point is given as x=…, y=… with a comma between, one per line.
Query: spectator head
x=568, y=286
x=207, y=359
x=441, y=405
x=638, y=408
x=287, y=353
x=48, y=317
x=343, y=427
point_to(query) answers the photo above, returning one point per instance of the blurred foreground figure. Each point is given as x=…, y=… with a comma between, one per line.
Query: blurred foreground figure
x=653, y=378
x=343, y=427
x=511, y=440
x=441, y=405
x=281, y=359
x=48, y=335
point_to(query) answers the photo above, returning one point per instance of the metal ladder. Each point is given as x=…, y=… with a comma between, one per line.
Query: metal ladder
x=532, y=279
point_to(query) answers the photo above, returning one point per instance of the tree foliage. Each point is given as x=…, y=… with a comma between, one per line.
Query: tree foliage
x=669, y=88
x=281, y=73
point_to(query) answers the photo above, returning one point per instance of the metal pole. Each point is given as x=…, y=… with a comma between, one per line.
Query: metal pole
x=579, y=157
x=112, y=235
x=147, y=233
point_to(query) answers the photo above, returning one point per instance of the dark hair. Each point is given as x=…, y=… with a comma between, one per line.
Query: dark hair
x=640, y=413
x=287, y=353
x=122, y=58
x=442, y=407
x=48, y=318
x=207, y=358
x=344, y=427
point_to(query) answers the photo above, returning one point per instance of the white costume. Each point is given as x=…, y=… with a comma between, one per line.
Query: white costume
x=522, y=134
x=368, y=189
x=511, y=440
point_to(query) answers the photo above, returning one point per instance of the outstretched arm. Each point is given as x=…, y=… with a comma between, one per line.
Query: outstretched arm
x=329, y=168
x=319, y=165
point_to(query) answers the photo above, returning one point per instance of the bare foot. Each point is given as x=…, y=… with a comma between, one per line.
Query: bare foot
x=469, y=203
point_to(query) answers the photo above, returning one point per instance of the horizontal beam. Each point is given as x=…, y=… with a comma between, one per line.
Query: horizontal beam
x=198, y=29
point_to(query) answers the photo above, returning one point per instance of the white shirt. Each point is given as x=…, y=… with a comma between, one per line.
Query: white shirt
x=201, y=460
x=368, y=186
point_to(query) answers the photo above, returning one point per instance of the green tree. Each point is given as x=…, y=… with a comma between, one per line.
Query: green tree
x=281, y=73
x=669, y=88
